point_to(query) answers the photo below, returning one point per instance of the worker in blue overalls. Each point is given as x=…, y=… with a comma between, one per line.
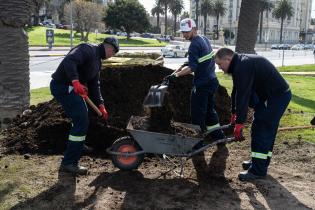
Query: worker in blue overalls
x=76, y=77
x=255, y=75
x=205, y=83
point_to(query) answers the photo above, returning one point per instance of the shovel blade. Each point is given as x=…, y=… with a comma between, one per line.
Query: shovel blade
x=155, y=97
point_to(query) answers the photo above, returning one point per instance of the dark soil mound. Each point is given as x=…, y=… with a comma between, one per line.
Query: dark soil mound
x=45, y=129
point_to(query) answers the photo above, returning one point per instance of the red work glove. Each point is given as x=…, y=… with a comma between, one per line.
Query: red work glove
x=104, y=112
x=233, y=119
x=238, y=132
x=79, y=88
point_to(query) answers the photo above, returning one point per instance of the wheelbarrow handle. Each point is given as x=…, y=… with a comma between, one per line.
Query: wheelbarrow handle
x=217, y=128
x=94, y=107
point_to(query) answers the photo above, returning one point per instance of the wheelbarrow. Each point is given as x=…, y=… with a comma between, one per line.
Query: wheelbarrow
x=127, y=153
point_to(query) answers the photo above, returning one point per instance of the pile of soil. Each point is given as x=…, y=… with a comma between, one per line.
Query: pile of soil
x=44, y=129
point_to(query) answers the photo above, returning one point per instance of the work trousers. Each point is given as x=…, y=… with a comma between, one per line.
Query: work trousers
x=264, y=130
x=76, y=109
x=202, y=108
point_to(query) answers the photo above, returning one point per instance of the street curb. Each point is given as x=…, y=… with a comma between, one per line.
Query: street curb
x=51, y=55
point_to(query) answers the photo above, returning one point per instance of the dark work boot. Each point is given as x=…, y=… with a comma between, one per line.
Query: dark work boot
x=74, y=169
x=247, y=176
x=246, y=164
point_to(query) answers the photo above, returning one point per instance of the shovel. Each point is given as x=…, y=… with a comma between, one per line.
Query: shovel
x=155, y=97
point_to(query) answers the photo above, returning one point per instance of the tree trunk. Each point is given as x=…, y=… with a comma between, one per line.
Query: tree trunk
x=175, y=17
x=197, y=12
x=247, y=26
x=281, y=30
x=14, y=59
x=158, y=22
x=205, y=25
x=165, y=32
x=261, y=25
x=218, y=28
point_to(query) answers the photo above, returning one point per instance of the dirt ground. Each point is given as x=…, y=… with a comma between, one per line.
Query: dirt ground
x=209, y=182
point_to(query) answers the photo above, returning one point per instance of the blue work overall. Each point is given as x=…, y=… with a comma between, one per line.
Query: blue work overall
x=75, y=107
x=264, y=129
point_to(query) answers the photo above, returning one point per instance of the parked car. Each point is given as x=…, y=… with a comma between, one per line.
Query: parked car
x=297, y=47
x=284, y=47
x=275, y=46
x=121, y=33
x=164, y=38
x=174, y=51
x=146, y=35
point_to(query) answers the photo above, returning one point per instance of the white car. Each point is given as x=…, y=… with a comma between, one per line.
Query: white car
x=174, y=51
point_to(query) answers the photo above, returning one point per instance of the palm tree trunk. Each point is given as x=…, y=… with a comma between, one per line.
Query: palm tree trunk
x=261, y=25
x=165, y=32
x=197, y=12
x=247, y=26
x=14, y=59
x=218, y=16
x=205, y=25
x=175, y=17
x=281, y=30
x=158, y=22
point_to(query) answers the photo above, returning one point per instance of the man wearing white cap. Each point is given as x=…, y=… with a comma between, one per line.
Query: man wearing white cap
x=205, y=84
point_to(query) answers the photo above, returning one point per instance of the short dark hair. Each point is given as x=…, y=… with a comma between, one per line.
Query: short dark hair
x=223, y=52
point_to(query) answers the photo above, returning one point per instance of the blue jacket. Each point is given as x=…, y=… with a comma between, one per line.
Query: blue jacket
x=83, y=63
x=253, y=74
x=203, y=71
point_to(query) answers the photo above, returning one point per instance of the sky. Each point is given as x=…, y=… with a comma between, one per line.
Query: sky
x=148, y=4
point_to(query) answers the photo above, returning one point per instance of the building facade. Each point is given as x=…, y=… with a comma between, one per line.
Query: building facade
x=295, y=29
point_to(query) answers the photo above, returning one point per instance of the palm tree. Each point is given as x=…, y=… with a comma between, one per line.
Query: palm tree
x=157, y=10
x=218, y=10
x=283, y=10
x=165, y=3
x=206, y=9
x=176, y=7
x=197, y=11
x=247, y=26
x=14, y=57
x=267, y=6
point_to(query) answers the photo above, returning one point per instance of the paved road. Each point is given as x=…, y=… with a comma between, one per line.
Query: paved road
x=42, y=67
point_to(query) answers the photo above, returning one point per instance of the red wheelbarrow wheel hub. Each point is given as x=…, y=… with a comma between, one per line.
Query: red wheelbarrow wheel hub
x=127, y=160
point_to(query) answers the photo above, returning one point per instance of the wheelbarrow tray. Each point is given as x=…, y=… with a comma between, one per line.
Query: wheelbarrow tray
x=162, y=143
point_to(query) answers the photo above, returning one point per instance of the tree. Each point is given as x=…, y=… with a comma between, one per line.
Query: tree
x=267, y=6
x=247, y=26
x=197, y=11
x=283, y=10
x=206, y=9
x=37, y=5
x=14, y=59
x=176, y=7
x=184, y=15
x=85, y=15
x=165, y=3
x=157, y=10
x=127, y=15
x=218, y=10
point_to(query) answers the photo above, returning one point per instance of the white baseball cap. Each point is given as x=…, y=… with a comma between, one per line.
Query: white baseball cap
x=187, y=24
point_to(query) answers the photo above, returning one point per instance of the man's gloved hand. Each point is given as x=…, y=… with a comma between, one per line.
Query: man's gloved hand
x=238, y=132
x=233, y=119
x=170, y=78
x=79, y=88
x=104, y=112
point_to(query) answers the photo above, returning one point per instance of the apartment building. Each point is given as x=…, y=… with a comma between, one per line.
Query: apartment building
x=295, y=29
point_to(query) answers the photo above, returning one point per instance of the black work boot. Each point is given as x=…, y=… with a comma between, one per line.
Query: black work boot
x=246, y=164
x=247, y=176
x=74, y=169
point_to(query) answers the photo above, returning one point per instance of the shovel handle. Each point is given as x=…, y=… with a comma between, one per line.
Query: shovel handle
x=91, y=104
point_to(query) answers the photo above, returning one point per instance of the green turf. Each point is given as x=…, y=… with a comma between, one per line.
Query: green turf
x=301, y=68
x=37, y=37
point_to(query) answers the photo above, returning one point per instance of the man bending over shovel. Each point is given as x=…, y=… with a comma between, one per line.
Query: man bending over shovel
x=75, y=78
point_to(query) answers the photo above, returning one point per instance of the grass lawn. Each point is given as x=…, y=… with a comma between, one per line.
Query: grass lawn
x=37, y=37
x=302, y=68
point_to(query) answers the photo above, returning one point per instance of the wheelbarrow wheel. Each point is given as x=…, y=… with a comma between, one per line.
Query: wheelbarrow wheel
x=126, y=145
